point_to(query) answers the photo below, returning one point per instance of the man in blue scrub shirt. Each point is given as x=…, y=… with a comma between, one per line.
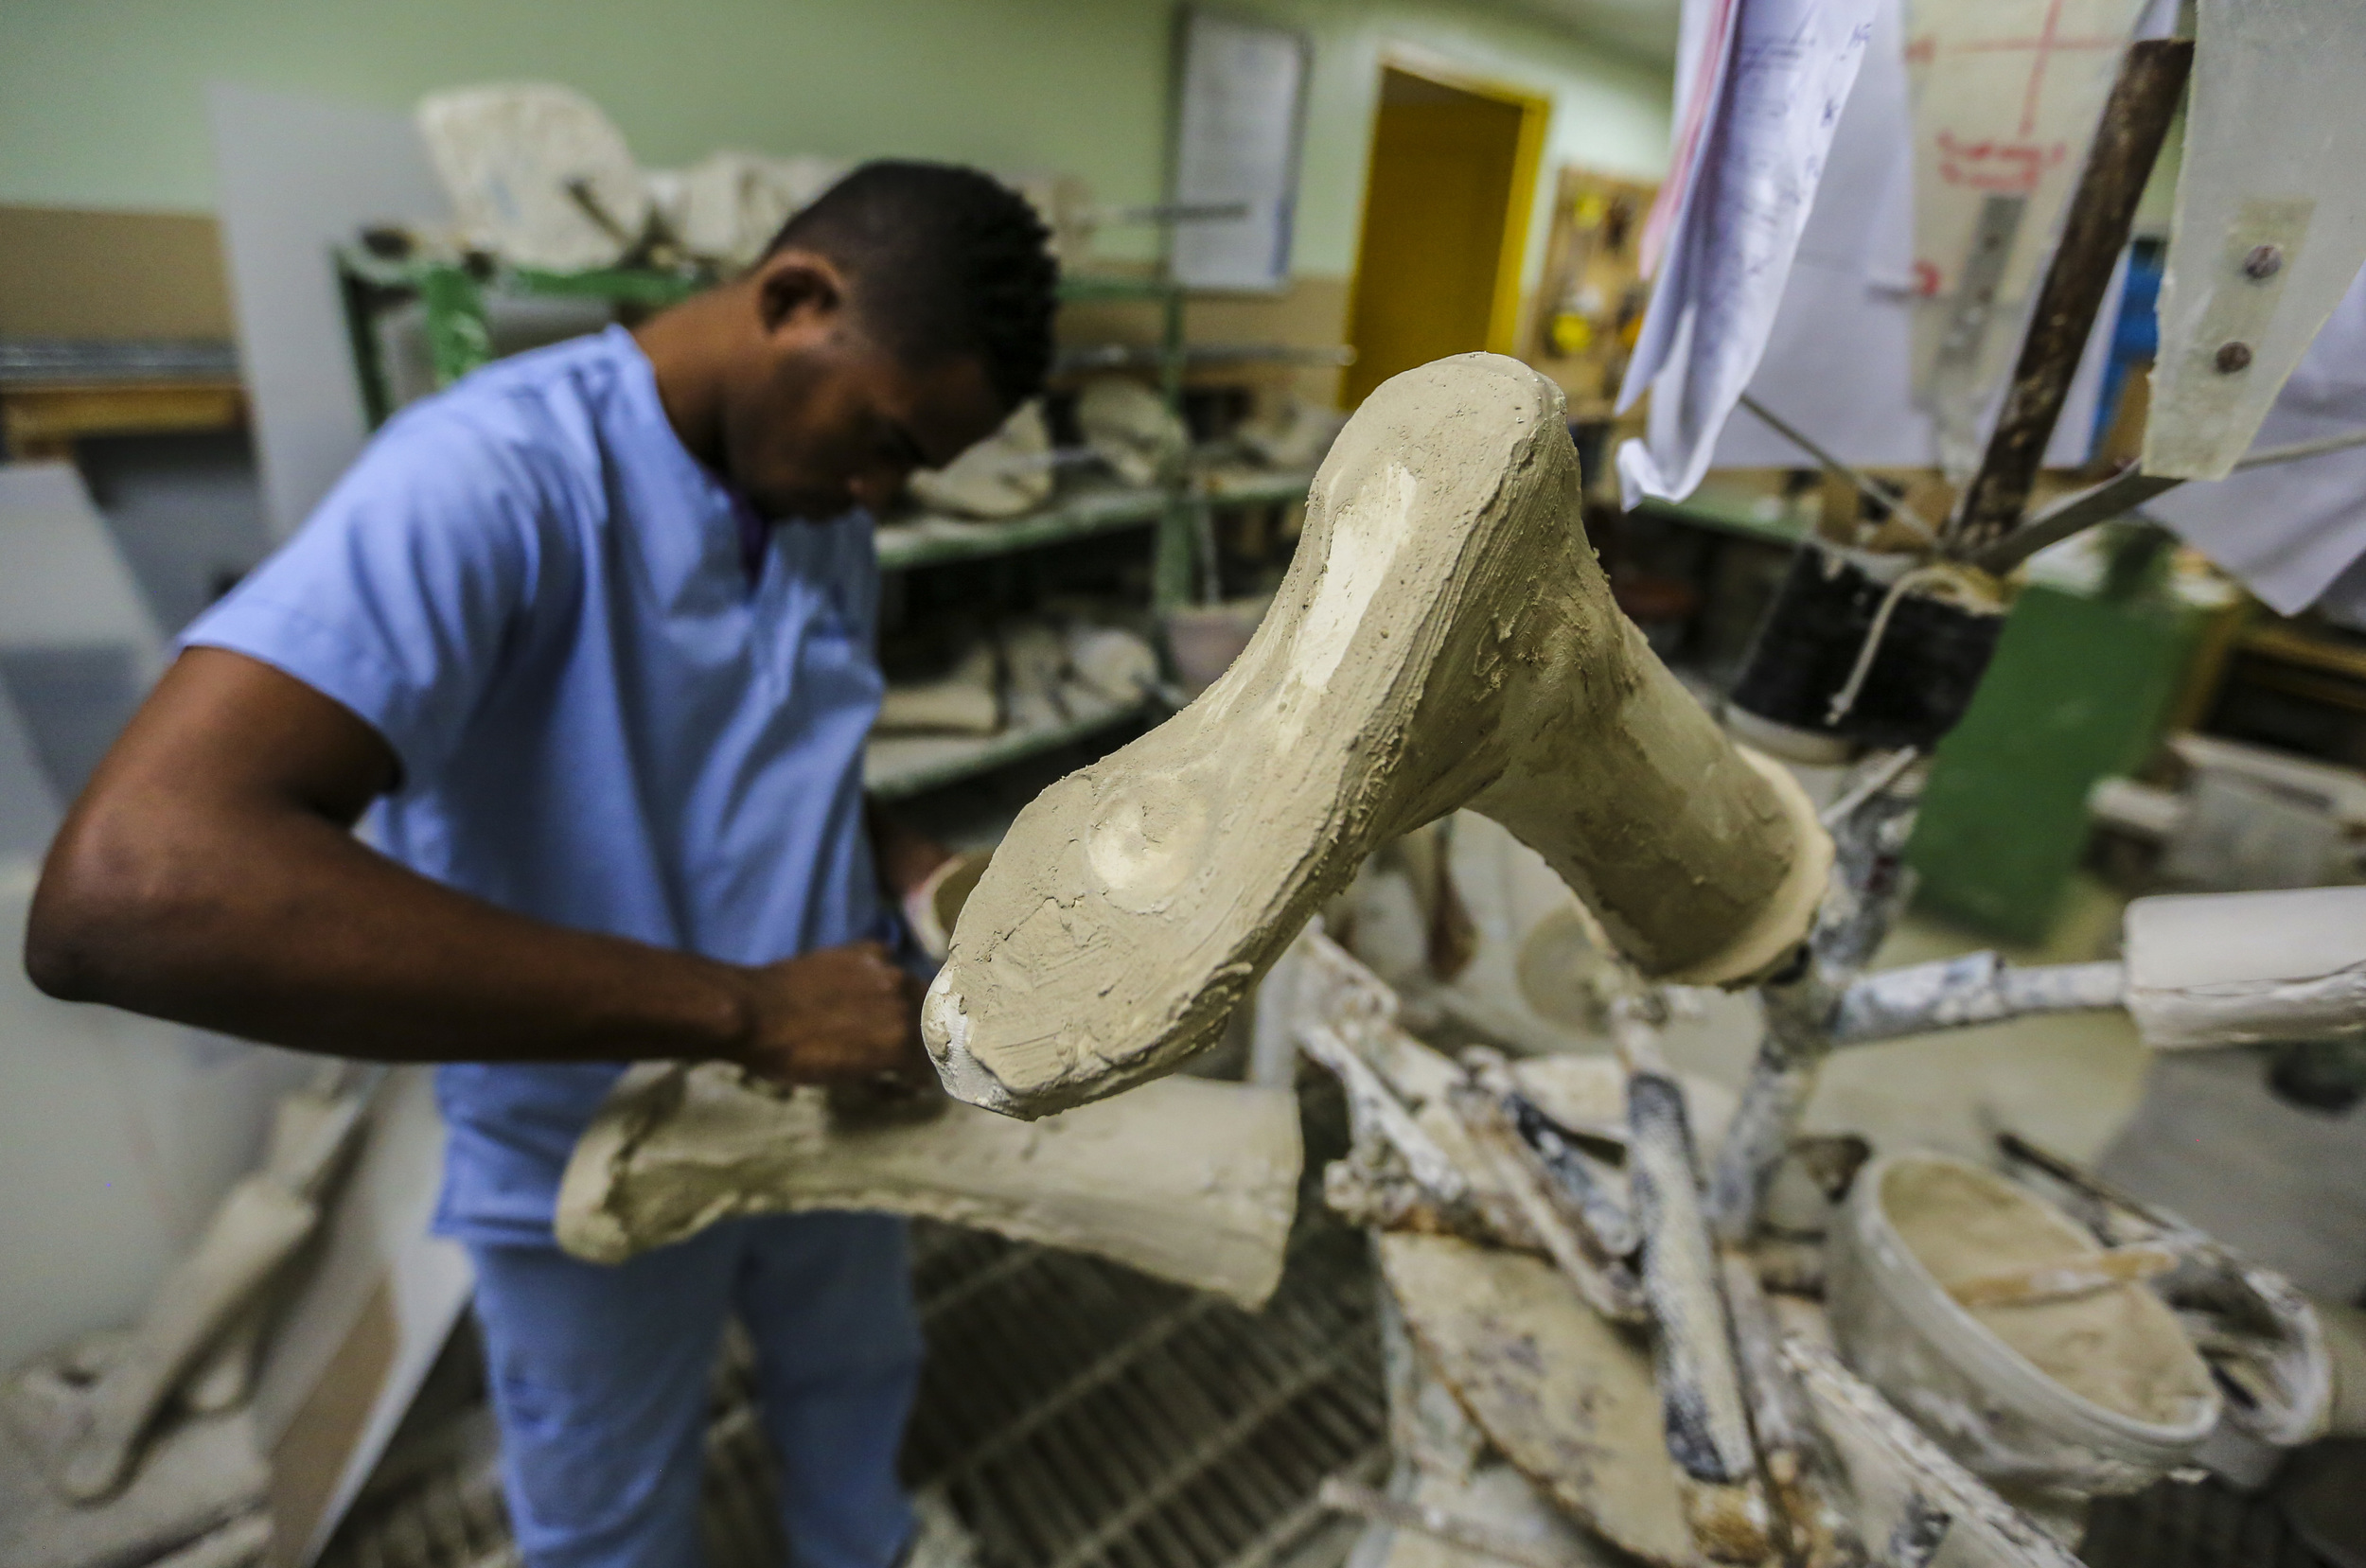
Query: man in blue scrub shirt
x=589, y=637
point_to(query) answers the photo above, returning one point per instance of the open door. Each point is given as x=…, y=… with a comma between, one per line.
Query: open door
x=1454, y=168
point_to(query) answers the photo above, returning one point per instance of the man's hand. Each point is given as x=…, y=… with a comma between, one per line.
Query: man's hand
x=837, y=1016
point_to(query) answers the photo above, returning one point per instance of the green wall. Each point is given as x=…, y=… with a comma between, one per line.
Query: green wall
x=103, y=101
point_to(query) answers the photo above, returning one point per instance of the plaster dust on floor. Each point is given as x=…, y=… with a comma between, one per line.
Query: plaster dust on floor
x=1445, y=636
x=2117, y=1347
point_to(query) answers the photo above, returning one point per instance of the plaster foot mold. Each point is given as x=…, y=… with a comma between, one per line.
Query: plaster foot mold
x=1195, y=1181
x=1007, y=473
x=1444, y=637
x=194, y=1473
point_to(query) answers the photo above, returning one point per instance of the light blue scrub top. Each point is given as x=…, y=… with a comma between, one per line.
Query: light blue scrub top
x=607, y=715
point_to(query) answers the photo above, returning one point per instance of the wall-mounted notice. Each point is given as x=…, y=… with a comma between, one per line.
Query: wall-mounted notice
x=1239, y=100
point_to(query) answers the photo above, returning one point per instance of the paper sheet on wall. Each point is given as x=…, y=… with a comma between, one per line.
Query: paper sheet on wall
x=1837, y=362
x=2270, y=224
x=1836, y=368
x=2007, y=96
x=2296, y=533
x=1238, y=120
x=1734, y=240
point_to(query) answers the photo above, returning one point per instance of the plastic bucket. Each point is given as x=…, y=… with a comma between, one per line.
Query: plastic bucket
x=2148, y=1400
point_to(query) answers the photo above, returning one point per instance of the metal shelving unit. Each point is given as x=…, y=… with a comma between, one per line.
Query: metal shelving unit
x=928, y=540
x=895, y=766
x=454, y=294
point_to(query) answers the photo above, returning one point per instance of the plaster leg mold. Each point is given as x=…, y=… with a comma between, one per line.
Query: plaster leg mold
x=1195, y=1182
x=1443, y=638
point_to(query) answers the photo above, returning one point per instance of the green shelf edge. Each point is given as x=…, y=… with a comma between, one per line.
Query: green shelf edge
x=1076, y=287
x=1079, y=517
x=1259, y=489
x=994, y=752
x=1706, y=509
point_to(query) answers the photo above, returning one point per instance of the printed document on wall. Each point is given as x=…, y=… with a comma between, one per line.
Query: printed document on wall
x=1838, y=360
x=2006, y=94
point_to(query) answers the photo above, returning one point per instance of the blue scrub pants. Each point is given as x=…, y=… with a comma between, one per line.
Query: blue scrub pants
x=600, y=1381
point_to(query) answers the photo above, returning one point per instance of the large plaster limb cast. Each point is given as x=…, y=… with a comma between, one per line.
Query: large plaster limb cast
x=1194, y=1181
x=2242, y=969
x=1444, y=638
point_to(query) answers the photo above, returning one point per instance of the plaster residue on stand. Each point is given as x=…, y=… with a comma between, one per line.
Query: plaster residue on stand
x=1568, y=1398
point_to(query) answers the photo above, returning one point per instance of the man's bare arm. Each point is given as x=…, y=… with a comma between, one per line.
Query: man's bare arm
x=209, y=875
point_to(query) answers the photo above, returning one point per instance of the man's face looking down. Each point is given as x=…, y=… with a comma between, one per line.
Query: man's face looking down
x=820, y=417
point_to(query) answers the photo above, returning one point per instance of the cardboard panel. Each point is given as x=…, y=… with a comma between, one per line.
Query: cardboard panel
x=78, y=274
x=299, y=177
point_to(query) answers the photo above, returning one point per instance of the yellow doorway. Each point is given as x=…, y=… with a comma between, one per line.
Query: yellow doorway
x=1445, y=224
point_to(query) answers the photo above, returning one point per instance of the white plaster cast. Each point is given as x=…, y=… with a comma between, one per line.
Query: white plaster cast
x=1443, y=637
x=1196, y=1182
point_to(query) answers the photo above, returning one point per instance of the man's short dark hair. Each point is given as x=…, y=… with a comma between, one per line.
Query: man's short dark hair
x=944, y=260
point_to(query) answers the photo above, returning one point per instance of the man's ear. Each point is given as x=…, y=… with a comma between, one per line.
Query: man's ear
x=796, y=288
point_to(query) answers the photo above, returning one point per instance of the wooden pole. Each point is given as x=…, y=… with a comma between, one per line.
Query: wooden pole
x=2135, y=119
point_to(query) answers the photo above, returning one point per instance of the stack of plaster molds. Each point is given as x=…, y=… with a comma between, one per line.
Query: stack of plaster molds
x=540, y=176
x=537, y=175
x=1009, y=472
x=966, y=699
x=1129, y=426
x=1031, y=673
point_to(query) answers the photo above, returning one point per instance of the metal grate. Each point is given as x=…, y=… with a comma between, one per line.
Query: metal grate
x=2203, y=1524
x=62, y=361
x=1075, y=1414
x=1092, y=1417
